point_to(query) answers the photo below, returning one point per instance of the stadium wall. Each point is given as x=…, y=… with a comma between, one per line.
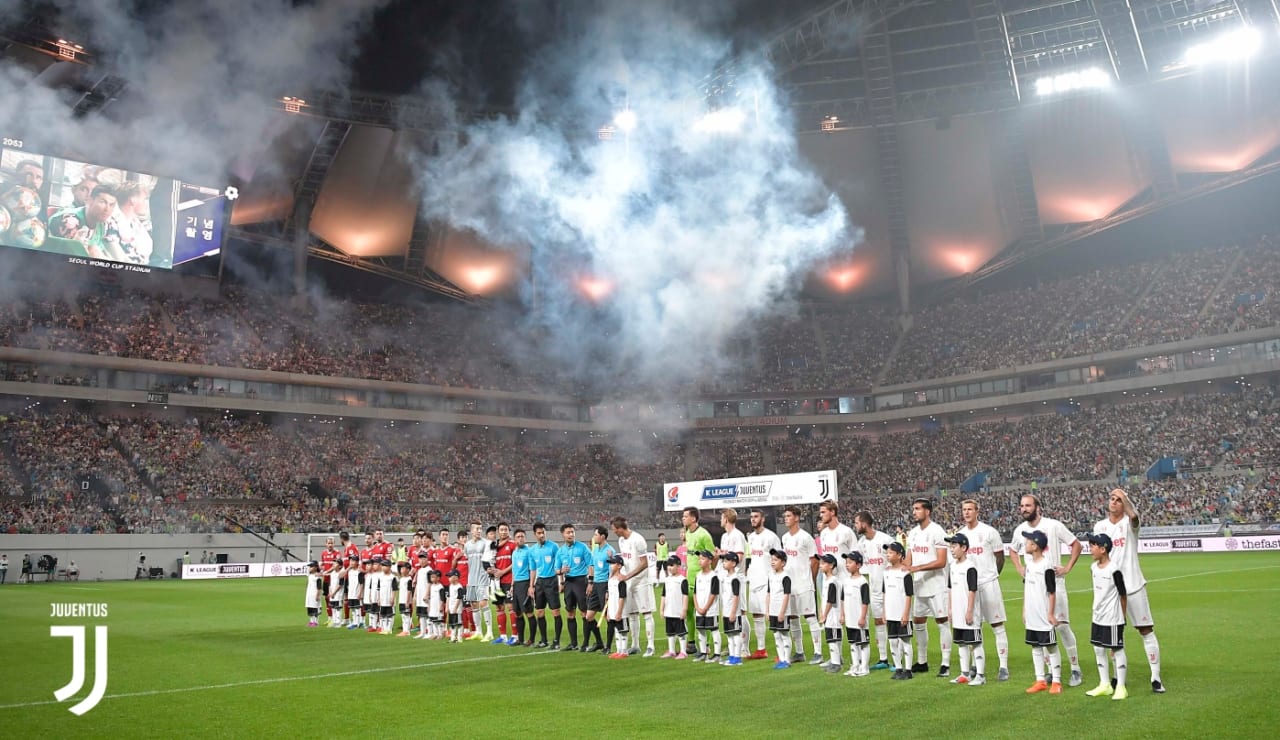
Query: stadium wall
x=114, y=557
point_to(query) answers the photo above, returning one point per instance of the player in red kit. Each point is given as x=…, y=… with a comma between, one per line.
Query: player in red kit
x=501, y=575
x=443, y=556
x=329, y=558
x=381, y=547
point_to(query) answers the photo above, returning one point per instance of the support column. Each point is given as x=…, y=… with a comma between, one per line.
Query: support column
x=1263, y=15
x=877, y=68
x=301, y=243
x=1010, y=148
x=1143, y=131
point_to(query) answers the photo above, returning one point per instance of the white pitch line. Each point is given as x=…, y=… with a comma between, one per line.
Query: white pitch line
x=1174, y=578
x=283, y=679
x=1222, y=591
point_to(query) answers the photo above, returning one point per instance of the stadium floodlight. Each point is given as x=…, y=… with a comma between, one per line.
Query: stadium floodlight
x=68, y=49
x=829, y=124
x=1231, y=47
x=625, y=120
x=292, y=104
x=1092, y=78
x=722, y=121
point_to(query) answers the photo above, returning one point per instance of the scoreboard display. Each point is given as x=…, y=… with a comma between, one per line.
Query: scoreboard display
x=104, y=216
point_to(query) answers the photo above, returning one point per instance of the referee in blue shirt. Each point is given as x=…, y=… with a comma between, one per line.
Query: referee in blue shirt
x=546, y=584
x=521, y=572
x=574, y=564
x=597, y=588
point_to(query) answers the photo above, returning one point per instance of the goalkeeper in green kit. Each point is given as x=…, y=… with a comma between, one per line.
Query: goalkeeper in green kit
x=695, y=538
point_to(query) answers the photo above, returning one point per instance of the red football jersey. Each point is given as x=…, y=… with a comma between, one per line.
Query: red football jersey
x=382, y=550
x=328, y=560
x=443, y=559
x=503, y=560
x=350, y=551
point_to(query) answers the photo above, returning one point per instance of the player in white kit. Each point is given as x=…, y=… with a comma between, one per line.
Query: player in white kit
x=986, y=550
x=315, y=591
x=1059, y=537
x=966, y=612
x=926, y=560
x=1040, y=591
x=1107, y=631
x=1121, y=525
x=872, y=545
x=760, y=542
x=856, y=601
x=734, y=541
x=802, y=566
x=635, y=573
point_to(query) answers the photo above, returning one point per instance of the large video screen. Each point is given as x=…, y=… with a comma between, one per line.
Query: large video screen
x=105, y=216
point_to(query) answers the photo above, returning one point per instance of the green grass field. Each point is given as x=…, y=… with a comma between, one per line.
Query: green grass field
x=234, y=659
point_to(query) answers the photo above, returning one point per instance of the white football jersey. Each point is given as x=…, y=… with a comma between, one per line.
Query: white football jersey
x=800, y=549
x=960, y=595
x=1055, y=531
x=855, y=587
x=923, y=545
x=984, y=543
x=874, y=561
x=836, y=541
x=1106, y=597
x=759, y=568
x=634, y=551
x=1124, y=550
x=735, y=541
x=1035, y=603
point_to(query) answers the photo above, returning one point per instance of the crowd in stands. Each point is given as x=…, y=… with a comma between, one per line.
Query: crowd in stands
x=731, y=457
x=822, y=346
x=161, y=474
x=1182, y=295
x=1088, y=444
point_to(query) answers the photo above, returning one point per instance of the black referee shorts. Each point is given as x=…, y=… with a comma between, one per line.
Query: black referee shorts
x=575, y=593
x=596, y=598
x=523, y=600
x=547, y=594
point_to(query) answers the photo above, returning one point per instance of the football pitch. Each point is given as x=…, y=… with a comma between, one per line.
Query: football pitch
x=235, y=659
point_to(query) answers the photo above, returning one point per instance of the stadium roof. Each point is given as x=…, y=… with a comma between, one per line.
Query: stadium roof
x=933, y=120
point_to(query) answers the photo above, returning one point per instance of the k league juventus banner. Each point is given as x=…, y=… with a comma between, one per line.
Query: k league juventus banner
x=760, y=490
x=242, y=570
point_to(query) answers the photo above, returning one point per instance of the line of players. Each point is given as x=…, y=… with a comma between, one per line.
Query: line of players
x=733, y=592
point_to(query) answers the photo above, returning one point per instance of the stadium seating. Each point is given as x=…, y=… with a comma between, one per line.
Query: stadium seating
x=824, y=346
x=168, y=475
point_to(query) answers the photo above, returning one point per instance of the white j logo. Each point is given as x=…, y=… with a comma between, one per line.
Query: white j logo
x=76, y=633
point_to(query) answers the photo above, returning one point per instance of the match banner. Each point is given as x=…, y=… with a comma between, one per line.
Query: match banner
x=242, y=570
x=1210, y=544
x=762, y=490
x=1195, y=544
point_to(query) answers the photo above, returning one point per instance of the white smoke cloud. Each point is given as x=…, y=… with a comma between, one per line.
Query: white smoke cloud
x=698, y=231
x=201, y=78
